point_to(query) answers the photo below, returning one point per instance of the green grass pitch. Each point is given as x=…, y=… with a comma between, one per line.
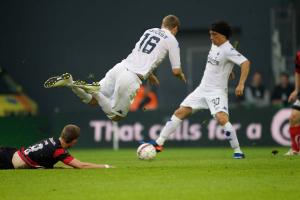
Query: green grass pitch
x=195, y=173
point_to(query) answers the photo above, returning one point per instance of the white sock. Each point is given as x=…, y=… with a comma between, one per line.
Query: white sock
x=103, y=102
x=231, y=137
x=84, y=97
x=168, y=129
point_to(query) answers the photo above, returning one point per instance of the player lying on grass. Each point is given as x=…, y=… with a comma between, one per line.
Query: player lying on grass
x=46, y=153
x=212, y=92
x=116, y=91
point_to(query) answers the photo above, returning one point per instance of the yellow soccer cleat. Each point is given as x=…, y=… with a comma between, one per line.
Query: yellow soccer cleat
x=59, y=81
x=88, y=87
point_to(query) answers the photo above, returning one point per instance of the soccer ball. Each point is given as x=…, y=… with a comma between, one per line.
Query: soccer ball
x=146, y=151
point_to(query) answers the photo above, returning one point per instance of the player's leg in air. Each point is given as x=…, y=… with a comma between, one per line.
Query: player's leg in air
x=114, y=93
x=84, y=91
x=190, y=104
x=66, y=80
x=118, y=90
x=295, y=130
x=117, y=106
x=179, y=115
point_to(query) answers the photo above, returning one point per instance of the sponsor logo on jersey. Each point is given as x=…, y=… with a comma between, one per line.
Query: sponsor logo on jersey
x=212, y=61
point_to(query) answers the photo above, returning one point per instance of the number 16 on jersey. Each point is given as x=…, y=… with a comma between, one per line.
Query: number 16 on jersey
x=149, y=45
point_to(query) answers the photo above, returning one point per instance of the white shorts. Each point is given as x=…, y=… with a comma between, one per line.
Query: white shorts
x=216, y=100
x=120, y=86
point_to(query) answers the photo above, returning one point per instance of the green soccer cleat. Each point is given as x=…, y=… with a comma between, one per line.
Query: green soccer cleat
x=59, y=81
x=88, y=87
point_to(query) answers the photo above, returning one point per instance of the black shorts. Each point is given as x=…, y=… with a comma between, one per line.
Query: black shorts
x=6, y=154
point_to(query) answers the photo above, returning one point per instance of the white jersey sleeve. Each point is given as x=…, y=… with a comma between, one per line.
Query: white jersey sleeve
x=234, y=56
x=174, y=53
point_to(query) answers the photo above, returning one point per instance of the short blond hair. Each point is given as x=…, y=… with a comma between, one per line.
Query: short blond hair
x=170, y=22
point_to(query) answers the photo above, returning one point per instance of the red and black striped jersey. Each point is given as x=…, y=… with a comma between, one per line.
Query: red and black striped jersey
x=297, y=62
x=45, y=154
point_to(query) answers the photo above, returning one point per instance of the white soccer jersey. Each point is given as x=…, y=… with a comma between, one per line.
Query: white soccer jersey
x=151, y=49
x=220, y=62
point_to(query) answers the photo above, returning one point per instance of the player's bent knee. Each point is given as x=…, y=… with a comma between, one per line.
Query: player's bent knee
x=183, y=112
x=222, y=118
x=222, y=121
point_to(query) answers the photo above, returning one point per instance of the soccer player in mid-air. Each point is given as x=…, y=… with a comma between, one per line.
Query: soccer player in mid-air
x=46, y=153
x=295, y=115
x=115, y=92
x=212, y=93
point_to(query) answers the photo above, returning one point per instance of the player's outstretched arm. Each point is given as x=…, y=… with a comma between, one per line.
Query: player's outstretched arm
x=245, y=68
x=179, y=74
x=75, y=163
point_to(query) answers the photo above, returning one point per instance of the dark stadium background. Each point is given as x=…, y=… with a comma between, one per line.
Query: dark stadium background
x=39, y=39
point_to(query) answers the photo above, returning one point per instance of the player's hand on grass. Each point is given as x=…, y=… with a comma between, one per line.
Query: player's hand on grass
x=107, y=166
x=239, y=91
x=293, y=96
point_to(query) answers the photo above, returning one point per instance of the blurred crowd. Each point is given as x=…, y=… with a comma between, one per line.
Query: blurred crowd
x=258, y=95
